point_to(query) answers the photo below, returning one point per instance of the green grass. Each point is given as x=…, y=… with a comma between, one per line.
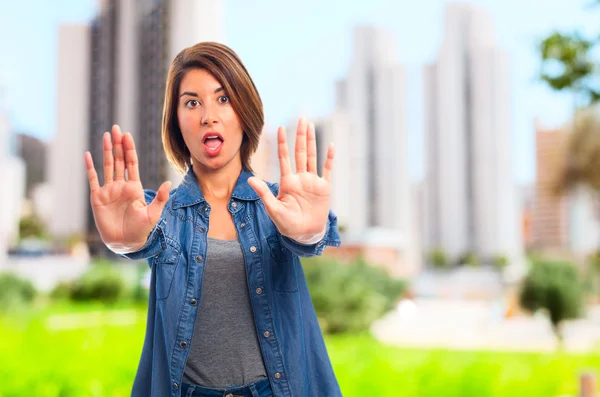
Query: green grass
x=365, y=367
x=52, y=353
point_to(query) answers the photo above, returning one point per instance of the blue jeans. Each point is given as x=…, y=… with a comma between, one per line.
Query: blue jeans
x=260, y=388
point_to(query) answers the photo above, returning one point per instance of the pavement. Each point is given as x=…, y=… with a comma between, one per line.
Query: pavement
x=481, y=325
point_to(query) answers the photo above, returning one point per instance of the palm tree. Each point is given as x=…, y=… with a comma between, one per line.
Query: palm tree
x=582, y=162
x=581, y=167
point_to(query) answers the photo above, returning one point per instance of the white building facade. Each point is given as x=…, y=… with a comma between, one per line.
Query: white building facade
x=66, y=167
x=371, y=165
x=470, y=193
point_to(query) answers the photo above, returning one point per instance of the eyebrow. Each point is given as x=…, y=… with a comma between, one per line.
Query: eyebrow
x=190, y=93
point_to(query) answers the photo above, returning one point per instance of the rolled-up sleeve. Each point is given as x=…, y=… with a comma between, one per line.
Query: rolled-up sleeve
x=331, y=238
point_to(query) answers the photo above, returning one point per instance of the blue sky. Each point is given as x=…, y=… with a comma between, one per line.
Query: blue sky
x=296, y=51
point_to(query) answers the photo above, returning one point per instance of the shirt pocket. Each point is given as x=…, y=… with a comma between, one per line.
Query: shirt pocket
x=283, y=266
x=165, y=265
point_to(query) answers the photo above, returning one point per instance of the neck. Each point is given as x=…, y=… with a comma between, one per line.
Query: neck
x=217, y=184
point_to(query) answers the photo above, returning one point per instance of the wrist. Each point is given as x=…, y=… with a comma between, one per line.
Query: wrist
x=310, y=239
x=124, y=248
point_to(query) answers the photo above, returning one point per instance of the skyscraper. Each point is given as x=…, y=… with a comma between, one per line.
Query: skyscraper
x=371, y=191
x=471, y=196
x=373, y=98
x=65, y=170
x=335, y=129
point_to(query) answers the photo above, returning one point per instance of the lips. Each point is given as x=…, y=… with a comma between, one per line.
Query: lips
x=213, y=142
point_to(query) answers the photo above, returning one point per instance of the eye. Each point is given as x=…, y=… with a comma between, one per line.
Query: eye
x=223, y=99
x=192, y=103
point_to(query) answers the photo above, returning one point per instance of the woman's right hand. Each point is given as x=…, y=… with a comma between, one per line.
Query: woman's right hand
x=122, y=216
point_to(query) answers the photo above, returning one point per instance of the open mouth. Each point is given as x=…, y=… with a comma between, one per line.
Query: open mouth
x=213, y=143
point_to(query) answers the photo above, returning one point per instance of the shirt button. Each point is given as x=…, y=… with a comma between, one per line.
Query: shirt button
x=205, y=208
x=202, y=230
x=277, y=375
x=183, y=344
x=267, y=334
x=198, y=258
x=259, y=291
x=229, y=395
x=253, y=249
x=320, y=243
x=243, y=224
x=175, y=386
x=234, y=204
x=193, y=302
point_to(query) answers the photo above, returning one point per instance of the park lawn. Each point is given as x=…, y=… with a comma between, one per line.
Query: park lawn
x=87, y=350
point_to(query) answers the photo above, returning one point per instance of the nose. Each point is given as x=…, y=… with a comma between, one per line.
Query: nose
x=209, y=117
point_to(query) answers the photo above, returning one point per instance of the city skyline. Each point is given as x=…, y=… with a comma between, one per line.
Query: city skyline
x=310, y=82
x=123, y=54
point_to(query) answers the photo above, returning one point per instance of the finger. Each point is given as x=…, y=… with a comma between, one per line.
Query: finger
x=301, y=145
x=109, y=166
x=311, y=152
x=131, y=159
x=91, y=171
x=328, y=166
x=282, y=150
x=271, y=203
x=119, y=156
x=157, y=205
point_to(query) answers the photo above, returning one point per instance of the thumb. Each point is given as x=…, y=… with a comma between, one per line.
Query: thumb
x=270, y=201
x=158, y=204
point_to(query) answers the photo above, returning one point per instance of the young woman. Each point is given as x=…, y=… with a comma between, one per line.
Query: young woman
x=229, y=311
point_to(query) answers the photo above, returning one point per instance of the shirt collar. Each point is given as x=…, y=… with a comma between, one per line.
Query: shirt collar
x=189, y=193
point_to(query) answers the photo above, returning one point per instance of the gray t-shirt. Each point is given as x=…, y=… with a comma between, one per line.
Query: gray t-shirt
x=224, y=351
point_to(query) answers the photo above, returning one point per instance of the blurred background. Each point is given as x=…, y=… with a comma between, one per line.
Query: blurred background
x=466, y=183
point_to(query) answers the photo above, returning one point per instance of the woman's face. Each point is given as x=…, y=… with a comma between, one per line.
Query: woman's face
x=210, y=127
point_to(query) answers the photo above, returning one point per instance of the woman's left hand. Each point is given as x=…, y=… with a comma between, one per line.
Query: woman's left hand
x=302, y=206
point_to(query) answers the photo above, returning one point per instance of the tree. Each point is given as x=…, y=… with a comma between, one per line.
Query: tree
x=555, y=287
x=568, y=64
x=582, y=155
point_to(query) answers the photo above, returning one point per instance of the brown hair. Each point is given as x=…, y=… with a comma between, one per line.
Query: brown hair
x=224, y=64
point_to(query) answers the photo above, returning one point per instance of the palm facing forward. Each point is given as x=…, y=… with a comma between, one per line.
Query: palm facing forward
x=122, y=216
x=302, y=206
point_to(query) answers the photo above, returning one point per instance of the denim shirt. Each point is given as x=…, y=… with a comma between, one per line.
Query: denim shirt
x=290, y=339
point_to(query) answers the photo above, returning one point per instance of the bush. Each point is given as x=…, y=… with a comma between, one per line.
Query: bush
x=348, y=298
x=500, y=262
x=594, y=272
x=101, y=283
x=438, y=259
x=468, y=258
x=31, y=227
x=62, y=291
x=15, y=291
x=556, y=287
